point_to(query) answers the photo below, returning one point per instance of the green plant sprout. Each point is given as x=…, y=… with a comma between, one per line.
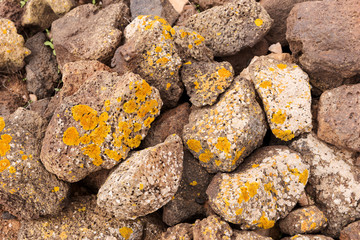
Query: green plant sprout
x=94, y=2
x=23, y=2
x=49, y=43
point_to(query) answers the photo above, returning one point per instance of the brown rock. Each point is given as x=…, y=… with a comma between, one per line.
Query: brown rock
x=187, y=12
x=153, y=226
x=9, y=226
x=248, y=235
x=212, y=227
x=305, y=200
x=11, y=9
x=40, y=106
x=13, y=94
x=351, y=232
x=106, y=3
x=206, y=4
x=51, y=107
x=182, y=231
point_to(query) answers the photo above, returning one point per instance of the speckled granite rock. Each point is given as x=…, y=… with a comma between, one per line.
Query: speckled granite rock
x=27, y=190
x=205, y=81
x=260, y=191
x=333, y=182
x=220, y=136
x=351, y=231
x=248, y=235
x=82, y=219
x=305, y=220
x=285, y=92
x=145, y=182
x=308, y=237
x=12, y=50
x=212, y=227
x=98, y=125
x=183, y=231
x=229, y=28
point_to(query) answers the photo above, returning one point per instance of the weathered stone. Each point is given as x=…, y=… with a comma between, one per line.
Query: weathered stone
x=98, y=125
x=87, y=33
x=305, y=220
x=275, y=48
x=248, y=235
x=9, y=225
x=13, y=93
x=27, y=189
x=229, y=28
x=205, y=81
x=82, y=219
x=262, y=190
x=41, y=69
x=178, y=5
x=206, y=4
x=40, y=106
x=305, y=200
x=330, y=59
x=333, y=182
x=338, y=117
x=51, y=107
x=170, y=122
x=106, y=3
x=285, y=92
x=41, y=13
x=351, y=232
x=182, y=231
x=154, y=227
x=12, y=50
x=150, y=52
x=222, y=135
x=11, y=9
x=190, y=198
x=308, y=237
x=187, y=12
x=145, y=182
x=212, y=227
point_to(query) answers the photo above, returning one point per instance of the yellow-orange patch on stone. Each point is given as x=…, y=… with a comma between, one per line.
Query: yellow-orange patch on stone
x=4, y=164
x=223, y=144
x=258, y=22
x=281, y=66
x=71, y=136
x=194, y=145
x=279, y=117
x=126, y=232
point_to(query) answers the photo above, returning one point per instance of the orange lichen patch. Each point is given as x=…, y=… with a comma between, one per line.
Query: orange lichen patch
x=194, y=145
x=265, y=84
x=168, y=85
x=148, y=106
x=71, y=136
x=133, y=142
x=143, y=89
x=270, y=188
x=113, y=154
x=2, y=124
x=239, y=211
x=4, y=144
x=258, y=22
x=4, y=164
x=187, y=63
x=92, y=151
x=255, y=165
x=193, y=183
x=141, y=186
x=252, y=188
x=265, y=223
x=223, y=144
x=281, y=66
x=271, y=69
x=85, y=139
x=130, y=106
x=12, y=169
x=24, y=157
x=284, y=135
x=104, y=117
x=199, y=40
x=162, y=61
x=107, y=103
x=196, y=83
x=126, y=232
x=158, y=49
x=124, y=127
x=206, y=156
x=303, y=177
x=238, y=155
x=279, y=117
x=224, y=73
x=86, y=115
x=243, y=195
x=137, y=127
x=97, y=161
x=118, y=99
x=190, y=46
x=99, y=134
x=55, y=189
x=148, y=121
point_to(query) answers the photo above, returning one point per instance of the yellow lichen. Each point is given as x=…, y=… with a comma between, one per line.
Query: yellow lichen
x=223, y=144
x=158, y=49
x=143, y=89
x=168, y=85
x=258, y=22
x=284, y=135
x=265, y=223
x=126, y=232
x=190, y=46
x=271, y=69
x=265, y=84
x=196, y=83
x=194, y=145
x=2, y=124
x=281, y=66
x=148, y=121
x=12, y=169
x=193, y=183
x=92, y=151
x=85, y=139
x=239, y=211
x=303, y=177
x=224, y=73
x=24, y=157
x=71, y=136
x=86, y=115
x=130, y=106
x=133, y=142
x=279, y=117
x=97, y=161
x=113, y=154
x=56, y=189
x=4, y=144
x=99, y=134
x=252, y=188
x=162, y=61
x=137, y=127
x=206, y=156
x=4, y=163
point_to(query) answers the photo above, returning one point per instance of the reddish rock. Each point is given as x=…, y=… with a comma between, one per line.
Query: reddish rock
x=351, y=232
x=187, y=12
x=13, y=94
x=11, y=9
x=40, y=106
x=9, y=226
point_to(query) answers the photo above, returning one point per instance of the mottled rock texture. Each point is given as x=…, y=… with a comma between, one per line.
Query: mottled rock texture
x=13, y=93
x=308, y=237
x=10, y=9
x=212, y=227
x=351, y=231
x=206, y=4
x=182, y=231
x=248, y=235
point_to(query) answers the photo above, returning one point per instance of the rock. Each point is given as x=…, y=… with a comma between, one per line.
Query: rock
x=169, y=122
x=182, y=231
x=178, y=5
x=206, y=4
x=80, y=34
x=305, y=200
x=330, y=59
x=308, y=237
x=82, y=219
x=190, y=198
x=9, y=226
x=145, y=182
x=51, y=107
x=10, y=9
x=305, y=220
x=222, y=135
x=351, y=231
x=275, y=48
x=333, y=183
x=229, y=28
x=248, y=235
x=161, y=8
x=98, y=125
x=27, y=189
x=338, y=117
x=285, y=92
x=150, y=52
x=41, y=13
x=205, y=81
x=13, y=93
x=12, y=50
x=153, y=226
x=212, y=227
x=106, y=3
x=39, y=106
x=187, y=12
x=41, y=69
x=95, y=180
x=262, y=190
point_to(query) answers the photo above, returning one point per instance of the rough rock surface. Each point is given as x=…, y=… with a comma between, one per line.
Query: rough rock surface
x=41, y=69
x=183, y=231
x=9, y=225
x=248, y=235
x=206, y=4
x=351, y=232
x=305, y=220
x=222, y=135
x=262, y=190
x=13, y=93
x=285, y=92
x=339, y=117
x=308, y=237
x=187, y=12
x=330, y=59
x=205, y=81
x=229, y=28
x=98, y=125
x=76, y=37
x=145, y=182
x=12, y=50
x=333, y=182
x=82, y=219
x=27, y=190
x=10, y=9
x=212, y=227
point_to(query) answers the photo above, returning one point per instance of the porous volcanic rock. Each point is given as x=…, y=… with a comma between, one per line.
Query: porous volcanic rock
x=212, y=227
x=248, y=235
x=11, y=9
x=182, y=231
x=13, y=93
x=351, y=231
x=206, y=4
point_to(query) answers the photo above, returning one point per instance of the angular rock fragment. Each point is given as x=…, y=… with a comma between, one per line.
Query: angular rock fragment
x=351, y=231
x=308, y=237
x=12, y=10
x=248, y=235
x=182, y=231
x=98, y=125
x=13, y=93
x=262, y=190
x=231, y=27
x=212, y=227
x=285, y=92
x=145, y=182
x=27, y=190
x=222, y=135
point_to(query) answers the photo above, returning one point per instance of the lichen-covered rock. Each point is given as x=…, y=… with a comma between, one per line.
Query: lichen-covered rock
x=27, y=190
x=261, y=191
x=212, y=227
x=12, y=50
x=308, y=237
x=351, y=231
x=149, y=51
x=205, y=81
x=285, y=92
x=229, y=28
x=145, y=182
x=98, y=125
x=222, y=135
x=87, y=33
x=41, y=13
x=248, y=235
x=338, y=117
x=9, y=225
x=305, y=220
x=333, y=182
x=82, y=219
x=182, y=231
